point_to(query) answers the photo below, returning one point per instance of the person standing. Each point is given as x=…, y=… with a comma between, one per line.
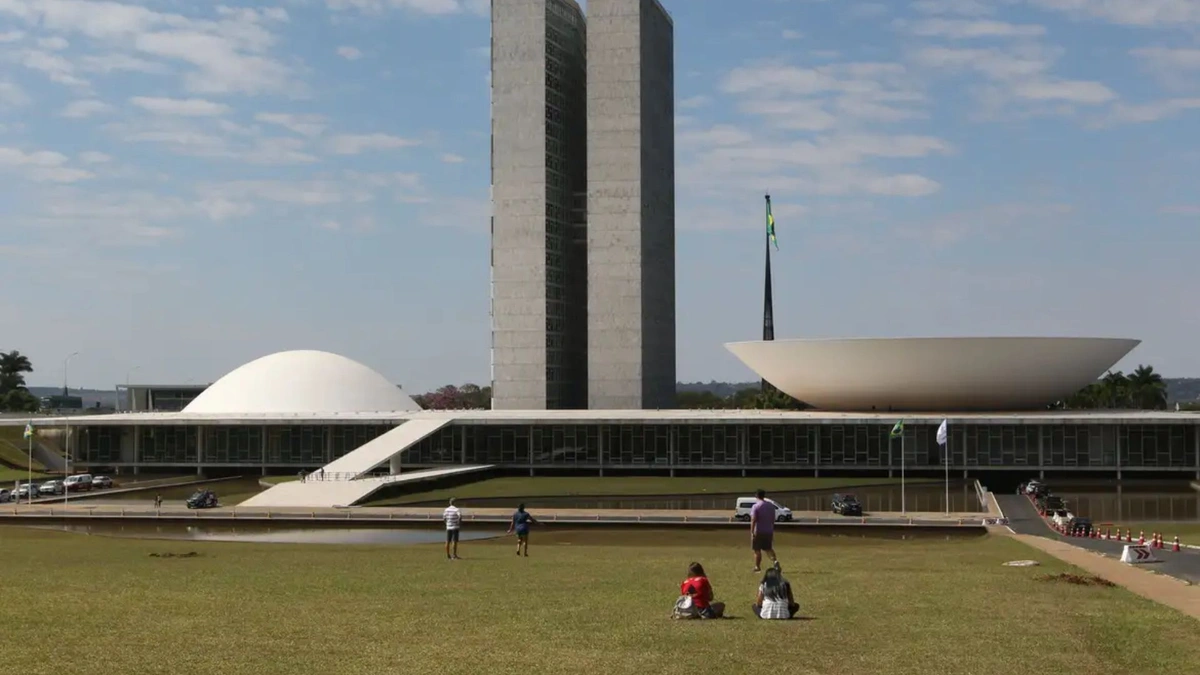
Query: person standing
x=762, y=529
x=453, y=518
x=521, y=520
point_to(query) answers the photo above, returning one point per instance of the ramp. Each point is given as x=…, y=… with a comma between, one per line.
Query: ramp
x=365, y=458
x=335, y=493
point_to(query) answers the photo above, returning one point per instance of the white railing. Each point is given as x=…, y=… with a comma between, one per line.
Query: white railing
x=342, y=476
x=982, y=493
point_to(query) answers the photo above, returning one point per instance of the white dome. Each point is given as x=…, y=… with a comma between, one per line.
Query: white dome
x=928, y=374
x=302, y=382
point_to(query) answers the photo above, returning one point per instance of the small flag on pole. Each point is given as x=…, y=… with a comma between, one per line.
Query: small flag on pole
x=898, y=430
x=771, y=225
x=942, y=434
x=28, y=431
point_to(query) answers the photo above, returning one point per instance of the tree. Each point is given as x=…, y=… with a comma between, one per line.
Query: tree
x=1147, y=389
x=14, y=396
x=13, y=367
x=467, y=397
x=1143, y=389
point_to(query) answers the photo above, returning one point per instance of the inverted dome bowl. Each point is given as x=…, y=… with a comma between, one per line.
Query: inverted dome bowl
x=932, y=374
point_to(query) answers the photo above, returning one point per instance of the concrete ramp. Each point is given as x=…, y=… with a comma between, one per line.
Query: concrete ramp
x=379, y=451
x=334, y=493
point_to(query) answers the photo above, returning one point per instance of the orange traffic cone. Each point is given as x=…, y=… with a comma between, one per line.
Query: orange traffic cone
x=1175, y=546
x=1153, y=540
x=1128, y=536
x=1141, y=537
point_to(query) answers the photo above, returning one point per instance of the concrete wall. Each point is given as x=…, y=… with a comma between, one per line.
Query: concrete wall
x=630, y=204
x=531, y=202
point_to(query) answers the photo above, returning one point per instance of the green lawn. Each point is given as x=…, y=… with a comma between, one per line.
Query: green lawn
x=13, y=450
x=8, y=476
x=1188, y=533
x=593, y=602
x=628, y=486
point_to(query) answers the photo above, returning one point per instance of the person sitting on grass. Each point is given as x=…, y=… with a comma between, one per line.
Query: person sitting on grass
x=697, y=587
x=775, y=599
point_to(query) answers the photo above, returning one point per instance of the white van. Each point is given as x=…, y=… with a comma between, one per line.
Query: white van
x=741, y=510
x=78, y=483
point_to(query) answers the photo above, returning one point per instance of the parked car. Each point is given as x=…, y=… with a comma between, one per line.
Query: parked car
x=202, y=499
x=79, y=482
x=1031, y=487
x=5, y=496
x=1081, y=526
x=847, y=505
x=27, y=490
x=101, y=482
x=741, y=510
x=51, y=487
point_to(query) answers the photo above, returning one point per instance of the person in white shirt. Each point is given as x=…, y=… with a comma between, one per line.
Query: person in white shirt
x=453, y=518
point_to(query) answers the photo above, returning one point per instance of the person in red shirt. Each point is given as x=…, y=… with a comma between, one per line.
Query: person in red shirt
x=701, y=592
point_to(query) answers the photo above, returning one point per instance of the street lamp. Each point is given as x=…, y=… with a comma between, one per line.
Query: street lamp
x=67, y=427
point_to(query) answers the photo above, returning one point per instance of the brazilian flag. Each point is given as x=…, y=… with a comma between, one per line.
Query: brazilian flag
x=771, y=225
x=898, y=430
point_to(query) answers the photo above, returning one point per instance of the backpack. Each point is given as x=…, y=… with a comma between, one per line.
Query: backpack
x=685, y=608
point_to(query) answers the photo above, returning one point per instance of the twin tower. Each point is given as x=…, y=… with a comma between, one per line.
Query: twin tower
x=583, y=205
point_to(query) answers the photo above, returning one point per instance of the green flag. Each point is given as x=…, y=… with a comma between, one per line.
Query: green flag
x=898, y=430
x=771, y=225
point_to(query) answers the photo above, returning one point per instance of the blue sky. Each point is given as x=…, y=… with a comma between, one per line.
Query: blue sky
x=185, y=186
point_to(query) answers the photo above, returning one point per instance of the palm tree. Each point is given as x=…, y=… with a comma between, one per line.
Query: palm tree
x=13, y=367
x=1147, y=389
x=1115, y=387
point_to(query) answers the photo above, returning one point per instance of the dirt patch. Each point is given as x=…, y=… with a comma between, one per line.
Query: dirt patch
x=1077, y=580
x=189, y=554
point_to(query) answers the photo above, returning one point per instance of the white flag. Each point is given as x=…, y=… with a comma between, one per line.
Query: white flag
x=942, y=435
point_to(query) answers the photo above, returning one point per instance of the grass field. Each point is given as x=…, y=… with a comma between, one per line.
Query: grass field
x=627, y=486
x=8, y=476
x=584, y=602
x=1188, y=533
x=13, y=452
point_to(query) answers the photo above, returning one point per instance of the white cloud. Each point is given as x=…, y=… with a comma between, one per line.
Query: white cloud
x=85, y=108
x=1186, y=59
x=112, y=63
x=305, y=125
x=12, y=96
x=968, y=29
x=435, y=7
x=349, y=53
x=11, y=36
x=53, y=66
x=959, y=7
x=92, y=157
x=789, y=34
x=54, y=43
x=41, y=166
x=354, y=144
x=451, y=158
x=184, y=107
x=693, y=102
x=1073, y=91
x=213, y=138
x=226, y=55
x=1145, y=13
x=1151, y=112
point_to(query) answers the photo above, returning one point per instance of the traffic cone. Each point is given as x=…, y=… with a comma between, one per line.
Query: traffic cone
x=1128, y=536
x=1141, y=537
x=1108, y=534
x=1153, y=540
x=1175, y=546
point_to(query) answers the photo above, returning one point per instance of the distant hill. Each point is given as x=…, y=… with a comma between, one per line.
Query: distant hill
x=1179, y=389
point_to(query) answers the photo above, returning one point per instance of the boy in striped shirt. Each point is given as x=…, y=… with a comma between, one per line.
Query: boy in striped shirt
x=453, y=518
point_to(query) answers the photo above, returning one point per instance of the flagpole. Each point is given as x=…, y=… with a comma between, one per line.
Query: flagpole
x=946, y=449
x=29, y=466
x=903, y=502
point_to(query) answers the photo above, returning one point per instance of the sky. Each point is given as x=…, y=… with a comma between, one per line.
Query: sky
x=186, y=186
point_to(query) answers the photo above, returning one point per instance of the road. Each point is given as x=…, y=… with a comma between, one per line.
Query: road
x=1023, y=518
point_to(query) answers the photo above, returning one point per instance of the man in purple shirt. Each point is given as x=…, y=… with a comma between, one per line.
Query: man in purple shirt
x=762, y=529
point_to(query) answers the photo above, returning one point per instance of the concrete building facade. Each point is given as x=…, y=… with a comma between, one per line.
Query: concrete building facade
x=631, y=205
x=539, y=184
